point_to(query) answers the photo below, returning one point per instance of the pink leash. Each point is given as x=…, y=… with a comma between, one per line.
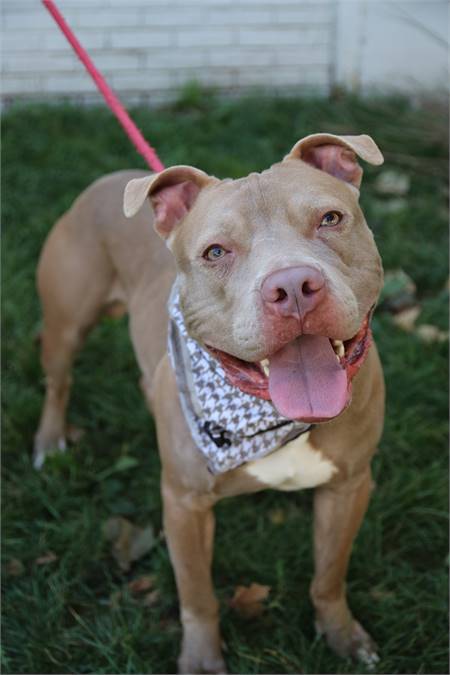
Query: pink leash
x=111, y=99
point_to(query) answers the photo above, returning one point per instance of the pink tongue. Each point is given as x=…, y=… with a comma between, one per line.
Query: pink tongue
x=306, y=381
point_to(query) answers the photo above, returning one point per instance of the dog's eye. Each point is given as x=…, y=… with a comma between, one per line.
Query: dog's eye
x=214, y=252
x=330, y=219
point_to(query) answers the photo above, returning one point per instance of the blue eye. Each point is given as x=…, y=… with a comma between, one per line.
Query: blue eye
x=330, y=219
x=214, y=252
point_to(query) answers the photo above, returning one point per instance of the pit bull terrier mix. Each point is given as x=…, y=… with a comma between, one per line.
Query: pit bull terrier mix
x=276, y=277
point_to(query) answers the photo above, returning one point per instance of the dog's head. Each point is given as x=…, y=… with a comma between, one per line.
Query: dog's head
x=278, y=271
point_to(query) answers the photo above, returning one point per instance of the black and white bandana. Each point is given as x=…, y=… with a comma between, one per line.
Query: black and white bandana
x=229, y=426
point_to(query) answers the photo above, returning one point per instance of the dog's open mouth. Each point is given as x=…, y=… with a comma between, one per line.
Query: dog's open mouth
x=308, y=379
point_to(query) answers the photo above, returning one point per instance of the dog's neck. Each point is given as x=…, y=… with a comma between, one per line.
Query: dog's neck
x=229, y=426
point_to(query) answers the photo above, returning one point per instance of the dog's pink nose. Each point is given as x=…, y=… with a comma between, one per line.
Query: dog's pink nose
x=294, y=291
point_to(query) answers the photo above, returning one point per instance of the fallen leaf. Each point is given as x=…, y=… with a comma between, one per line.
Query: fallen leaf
x=380, y=594
x=141, y=584
x=115, y=310
x=124, y=463
x=115, y=599
x=47, y=558
x=129, y=542
x=398, y=292
x=390, y=204
x=277, y=516
x=429, y=333
x=392, y=182
x=247, y=600
x=74, y=434
x=406, y=319
x=15, y=568
x=151, y=599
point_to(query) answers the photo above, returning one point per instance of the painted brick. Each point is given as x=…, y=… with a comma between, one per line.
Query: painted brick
x=282, y=36
x=303, y=14
x=302, y=55
x=66, y=84
x=144, y=38
x=205, y=37
x=104, y=18
x=14, y=84
x=241, y=57
x=39, y=62
x=117, y=60
x=168, y=16
x=54, y=40
x=145, y=80
x=147, y=46
x=14, y=41
x=211, y=78
x=283, y=77
x=234, y=15
x=176, y=58
x=26, y=20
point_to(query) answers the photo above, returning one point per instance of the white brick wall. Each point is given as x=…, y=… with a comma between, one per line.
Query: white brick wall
x=147, y=49
x=152, y=47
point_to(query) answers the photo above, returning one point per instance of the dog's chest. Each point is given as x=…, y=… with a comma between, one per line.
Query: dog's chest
x=295, y=466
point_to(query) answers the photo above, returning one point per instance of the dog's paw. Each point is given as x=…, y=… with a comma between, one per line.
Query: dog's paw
x=352, y=642
x=43, y=447
x=201, y=664
x=201, y=647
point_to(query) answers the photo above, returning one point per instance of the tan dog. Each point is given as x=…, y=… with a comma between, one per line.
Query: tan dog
x=277, y=266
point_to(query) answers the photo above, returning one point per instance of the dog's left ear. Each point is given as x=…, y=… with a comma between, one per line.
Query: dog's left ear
x=337, y=154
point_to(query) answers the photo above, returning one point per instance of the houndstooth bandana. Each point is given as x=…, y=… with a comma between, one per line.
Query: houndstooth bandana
x=229, y=426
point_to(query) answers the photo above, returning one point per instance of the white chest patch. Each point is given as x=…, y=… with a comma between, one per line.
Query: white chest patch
x=295, y=466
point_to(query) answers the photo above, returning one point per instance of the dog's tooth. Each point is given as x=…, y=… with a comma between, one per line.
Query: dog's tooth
x=339, y=348
x=265, y=365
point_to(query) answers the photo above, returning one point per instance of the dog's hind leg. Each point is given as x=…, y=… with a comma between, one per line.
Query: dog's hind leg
x=74, y=279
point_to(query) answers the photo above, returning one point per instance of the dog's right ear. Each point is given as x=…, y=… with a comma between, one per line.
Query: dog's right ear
x=172, y=193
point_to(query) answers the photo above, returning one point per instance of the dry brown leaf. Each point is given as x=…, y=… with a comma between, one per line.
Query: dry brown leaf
x=74, y=434
x=277, y=516
x=247, y=600
x=151, y=599
x=47, y=558
x=115, y=599
x=141, y=584
x=398, y=292
x=429, y=333
x=379, y=594
x=15, y=568
x=129, y=542
x=392, y=182
x=406, y=319
x=115, y=309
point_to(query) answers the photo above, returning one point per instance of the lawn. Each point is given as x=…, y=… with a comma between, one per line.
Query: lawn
x=67, y=606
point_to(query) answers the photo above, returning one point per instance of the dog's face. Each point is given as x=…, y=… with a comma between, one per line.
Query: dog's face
x=278, y=267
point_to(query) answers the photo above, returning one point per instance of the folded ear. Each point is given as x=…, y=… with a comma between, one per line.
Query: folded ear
x=172, y=193
x=337, y=154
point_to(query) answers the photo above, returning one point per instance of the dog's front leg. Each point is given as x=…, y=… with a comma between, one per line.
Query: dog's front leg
x=188, y=498
x=338, y=512
x=189, y=528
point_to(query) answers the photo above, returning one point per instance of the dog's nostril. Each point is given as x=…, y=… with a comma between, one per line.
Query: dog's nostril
x=281, y=295
x=307, y=288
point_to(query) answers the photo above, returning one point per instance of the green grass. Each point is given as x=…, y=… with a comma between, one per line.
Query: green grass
x=58, y=617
